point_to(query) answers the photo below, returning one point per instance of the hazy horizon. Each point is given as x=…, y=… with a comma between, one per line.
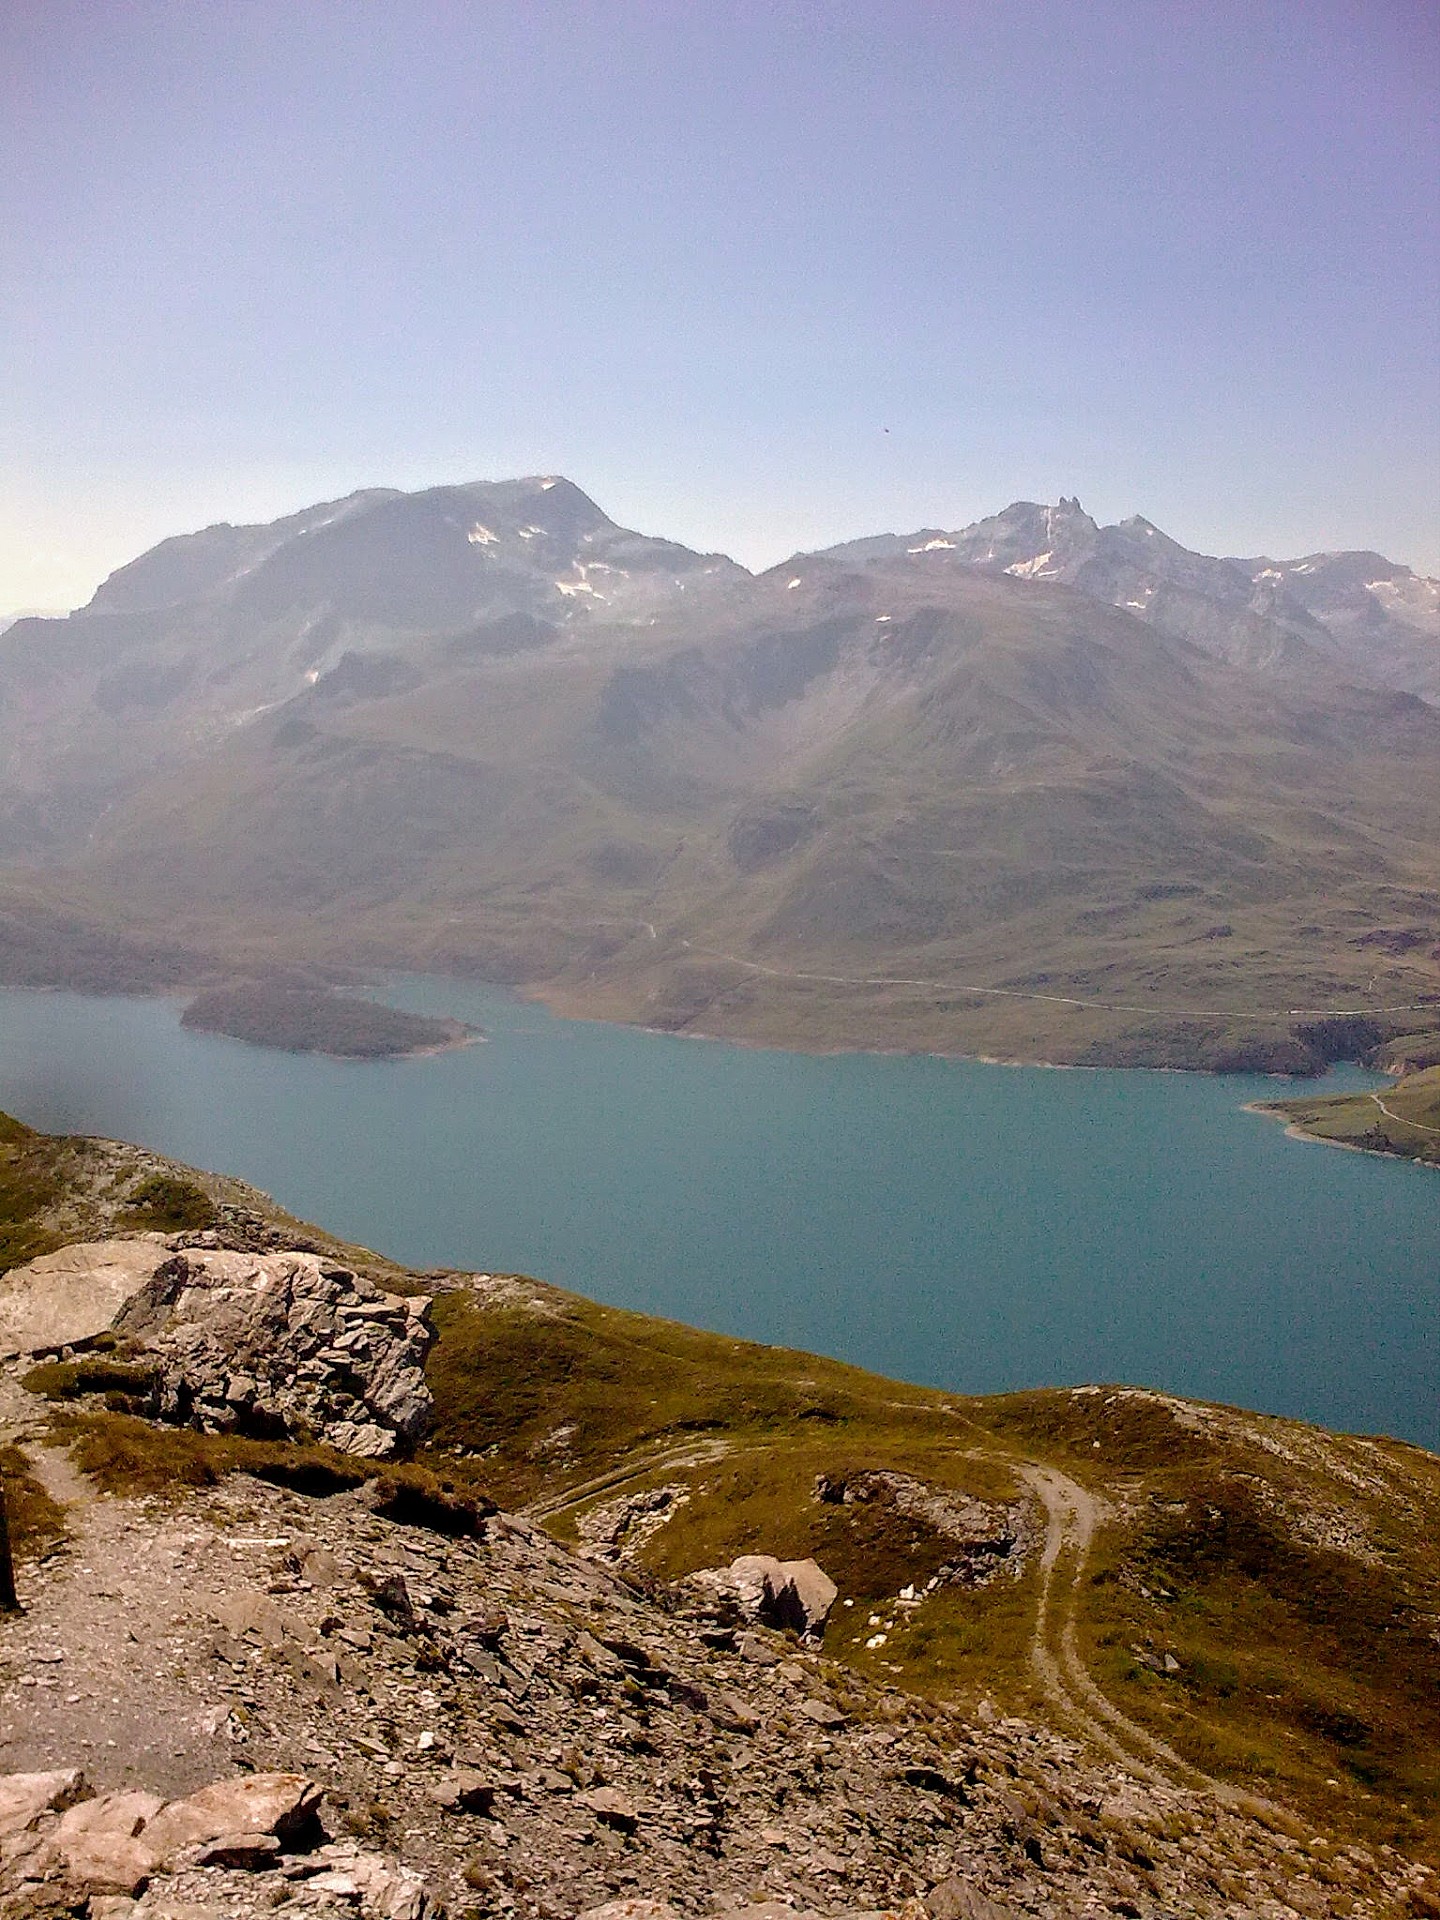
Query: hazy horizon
x=759, y=278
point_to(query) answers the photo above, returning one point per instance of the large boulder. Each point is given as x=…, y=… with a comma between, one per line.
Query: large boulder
x=793, y=1594
x=110, y=1845
x=65, y=1299
x=98, y=1845
x=275, y=1344
x=286, y=1805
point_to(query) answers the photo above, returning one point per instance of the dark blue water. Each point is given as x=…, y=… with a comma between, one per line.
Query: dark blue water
x=969, y=1226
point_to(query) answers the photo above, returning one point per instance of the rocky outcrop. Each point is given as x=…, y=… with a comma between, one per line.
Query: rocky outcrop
x=61, y=1845
x=283, y=1344
x=24, y=1797
x=983, y=1538
x=515, y=1730
x=277, y=1344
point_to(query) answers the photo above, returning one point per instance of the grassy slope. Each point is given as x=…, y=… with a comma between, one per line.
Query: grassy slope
x=1305, y=1669
x=1288, y=1570
x=56, y=1188
x=1408, y=1122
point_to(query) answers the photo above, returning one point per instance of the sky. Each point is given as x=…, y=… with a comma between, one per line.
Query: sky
x=760, y=277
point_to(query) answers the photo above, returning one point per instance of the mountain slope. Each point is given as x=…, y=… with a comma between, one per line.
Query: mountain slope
x=981, y=780
x=936, y=792
x=197, y=637
x=1386, y=618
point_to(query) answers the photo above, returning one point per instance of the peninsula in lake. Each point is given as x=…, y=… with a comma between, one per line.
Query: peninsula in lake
x=1403, y=1120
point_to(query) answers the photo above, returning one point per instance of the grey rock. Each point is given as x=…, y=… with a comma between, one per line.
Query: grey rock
x=956, y=1899
x=732, y=1714
x=252, y=1851
x=384, y=1888
x=283, y=1804
x=766, y=1910
x=465, y=1790
x=67, y=1298
x=794, y=1594
x=97, y=1843
x=247, y=1342
x=610, y=1808
x=638, y=1909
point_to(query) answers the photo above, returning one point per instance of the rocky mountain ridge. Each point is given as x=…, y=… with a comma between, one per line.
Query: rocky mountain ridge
x=208, y=630
x=1356, y=615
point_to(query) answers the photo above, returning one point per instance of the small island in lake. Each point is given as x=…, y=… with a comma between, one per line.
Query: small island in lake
x=320, y=1020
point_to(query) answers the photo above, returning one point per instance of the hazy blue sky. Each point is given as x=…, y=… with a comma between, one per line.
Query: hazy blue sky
x=757, y=276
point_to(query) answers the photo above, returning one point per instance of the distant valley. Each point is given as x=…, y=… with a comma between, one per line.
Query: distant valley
x=1036, y=788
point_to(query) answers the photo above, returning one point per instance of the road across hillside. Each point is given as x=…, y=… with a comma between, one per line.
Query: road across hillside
x=1060, y=999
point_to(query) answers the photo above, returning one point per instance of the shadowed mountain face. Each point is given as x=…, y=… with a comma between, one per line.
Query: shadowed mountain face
x=483, y=729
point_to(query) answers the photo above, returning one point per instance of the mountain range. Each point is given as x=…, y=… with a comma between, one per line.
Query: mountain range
x=1036, y=786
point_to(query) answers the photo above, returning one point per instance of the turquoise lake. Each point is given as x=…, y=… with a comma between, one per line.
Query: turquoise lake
x=970, y=1226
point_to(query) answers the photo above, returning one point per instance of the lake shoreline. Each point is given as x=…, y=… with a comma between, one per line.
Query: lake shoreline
x=1233, y=1046
x=929, y=1218
x=557, y=1006
x=1294, y=1131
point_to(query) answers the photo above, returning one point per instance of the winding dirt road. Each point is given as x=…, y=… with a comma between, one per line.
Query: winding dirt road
x=692, y=1454
x=1073, y=1517
x=1401, y=1121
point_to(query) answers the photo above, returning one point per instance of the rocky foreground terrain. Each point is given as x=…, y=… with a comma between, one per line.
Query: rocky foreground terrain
x=279, y=1652
x=500, y=1725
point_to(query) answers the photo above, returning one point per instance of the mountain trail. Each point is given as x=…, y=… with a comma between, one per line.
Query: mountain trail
x=22, y=1425
x=1073, y=1517
x=694, y=1455
x=1401, y=1121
